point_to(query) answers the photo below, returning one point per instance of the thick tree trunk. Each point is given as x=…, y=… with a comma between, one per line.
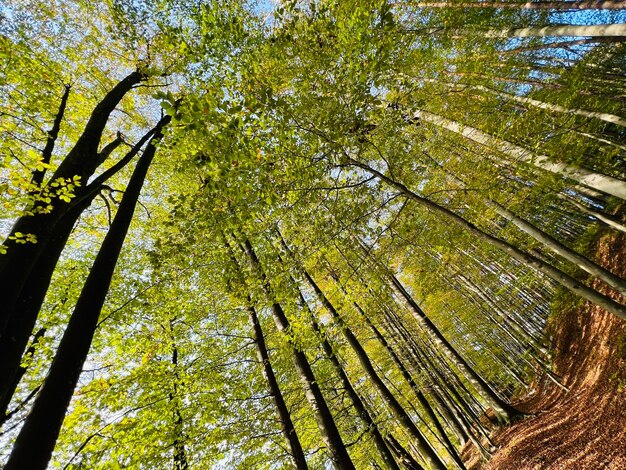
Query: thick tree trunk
x=15, y=338
x=17, y=263
x=326, y=423
x=21, y=322
x=34, y=444
x=526, y=259
x=6, y=400
x=595, y=180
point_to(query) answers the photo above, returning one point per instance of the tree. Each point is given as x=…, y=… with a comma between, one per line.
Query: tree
x=54, y=397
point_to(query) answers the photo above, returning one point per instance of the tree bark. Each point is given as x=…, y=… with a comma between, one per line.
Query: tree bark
x=606, y=117
x=566, y=5
x=425, y=449
x=326, y=423
x=526, y=259
x=617, y=30
x=19, y=327
x=284, y=417
x=602, y=217
x=53, y=133
x=34, y=444
x=595, y=180
x=82, y=160
x=406, y=375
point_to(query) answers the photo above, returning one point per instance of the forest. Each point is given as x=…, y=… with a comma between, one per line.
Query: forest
x=313, y=234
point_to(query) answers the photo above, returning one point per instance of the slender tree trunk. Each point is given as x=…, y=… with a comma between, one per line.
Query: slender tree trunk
x=525, y=258
x=46, y=154
x=557, y=247
x=326, y=423
x=602, y=217
x=287, y=427
x=553, y=244
x=82, y=161
x=617, y=30
x=455, y=416
x=34, y=444
x=180, y=455
x=606, y=117
x=595, y=180
x=503, y=410
x=357, y=403
x=555, y=45
x=405, y=458
x=407, y=377
x=566, y=5
x=284, y=417
x=425, y=449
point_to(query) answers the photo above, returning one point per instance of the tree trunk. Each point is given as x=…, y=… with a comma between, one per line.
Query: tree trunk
x=617, y=30
x=34, y=444
x=357, y=403
x=526, y=259
x=566, y=5
x=602, y=217
x=15, y=338
x=6, y=400
x=53, y=133
x=286, y=424
x=326, y=423
x=180, y=455
x=503, y=410
x=21, y=322
x=606, y=117
x=403, y=455
x=550, y=242
x=17, y=263
x=425, y=449
x=595, y=180
x=407, y=377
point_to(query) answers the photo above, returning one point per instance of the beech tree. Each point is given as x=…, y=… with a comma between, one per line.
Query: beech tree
x=357, y=222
